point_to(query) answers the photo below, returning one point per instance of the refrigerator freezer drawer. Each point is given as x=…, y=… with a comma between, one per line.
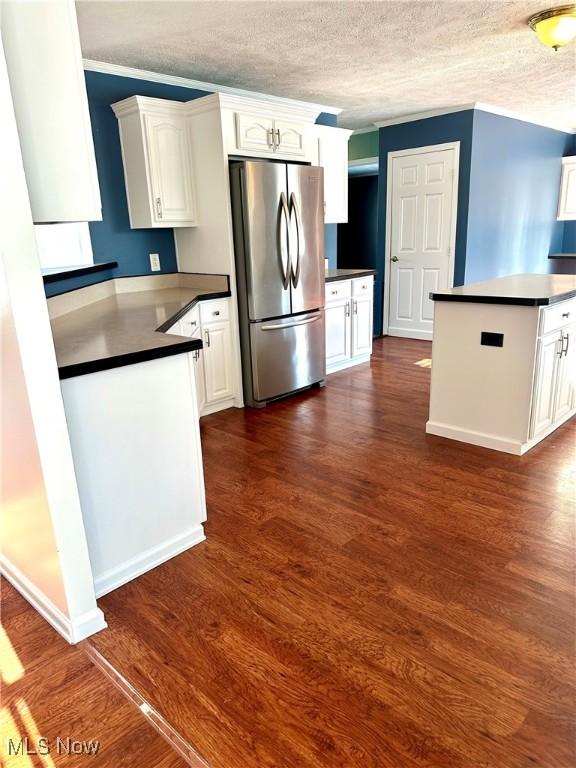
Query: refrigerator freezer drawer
x=287, y=354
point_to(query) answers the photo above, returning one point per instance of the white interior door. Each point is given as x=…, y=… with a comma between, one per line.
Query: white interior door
x=422, y=220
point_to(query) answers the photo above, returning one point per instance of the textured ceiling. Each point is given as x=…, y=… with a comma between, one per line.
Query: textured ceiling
x=376, y=60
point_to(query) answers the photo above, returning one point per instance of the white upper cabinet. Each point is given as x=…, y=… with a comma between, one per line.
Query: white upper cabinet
x=567, y=202
x=331, y=145
x=290, y=138
x=267, y=135
x=254, y=132
x=157, y=155
x=44, y=63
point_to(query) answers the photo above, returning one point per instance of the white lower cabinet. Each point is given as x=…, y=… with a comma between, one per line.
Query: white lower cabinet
x=361, y=326
x=349, y=308
x=338, y=332
x=218, y=375
x=554, y=380
x=213, y=364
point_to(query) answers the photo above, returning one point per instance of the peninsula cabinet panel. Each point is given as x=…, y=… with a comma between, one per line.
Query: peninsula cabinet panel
x=44, y=63
x=503, y=374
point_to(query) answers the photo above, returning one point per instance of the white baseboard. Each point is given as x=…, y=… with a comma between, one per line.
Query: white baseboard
x=232, y=402
x=347, y=364
x=72, y=630
x=404, y=334
x=475, y=438
x=493, y=441
x=122, y=574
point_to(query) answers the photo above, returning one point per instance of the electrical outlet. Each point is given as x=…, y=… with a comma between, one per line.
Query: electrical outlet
x=155, y=262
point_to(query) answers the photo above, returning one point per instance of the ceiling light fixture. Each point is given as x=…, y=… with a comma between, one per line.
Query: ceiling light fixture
x=556, y=26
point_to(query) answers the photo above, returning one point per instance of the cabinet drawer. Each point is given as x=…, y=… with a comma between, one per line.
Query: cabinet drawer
x=339, y=289
x=213, y=311
x=190, y=322
x=557, y=316
x=362, y=286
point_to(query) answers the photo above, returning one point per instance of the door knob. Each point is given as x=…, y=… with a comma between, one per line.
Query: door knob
x=393, y=258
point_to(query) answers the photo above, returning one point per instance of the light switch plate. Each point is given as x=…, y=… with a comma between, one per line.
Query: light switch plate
x=155, y=262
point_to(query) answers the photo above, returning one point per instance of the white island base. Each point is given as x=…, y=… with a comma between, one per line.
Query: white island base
x=503, y=374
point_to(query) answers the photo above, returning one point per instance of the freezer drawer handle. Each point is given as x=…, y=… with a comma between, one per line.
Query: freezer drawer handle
x=280, y=326
x=294, y=208
x=283, y=243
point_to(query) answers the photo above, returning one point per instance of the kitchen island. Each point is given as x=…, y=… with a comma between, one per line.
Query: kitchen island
x=504, y=361
x=132, y=414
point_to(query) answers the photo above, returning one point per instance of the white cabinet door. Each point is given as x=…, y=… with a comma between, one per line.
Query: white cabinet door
x=567, y=201
x=290, y=138
x=333, y=157
x=170, y=163
x=338, y=332
x=547, y=359
x=254, y=132
x=566, y=374
x=218, y=368
x=361, y=326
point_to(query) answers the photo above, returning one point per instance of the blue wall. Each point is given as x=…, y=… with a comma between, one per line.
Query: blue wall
x=420, y=133
x=514, y=187
x=112, y=238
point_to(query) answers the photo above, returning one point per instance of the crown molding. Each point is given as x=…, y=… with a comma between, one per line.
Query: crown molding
x=370, y=129
x=184, y=82
x=473, y=105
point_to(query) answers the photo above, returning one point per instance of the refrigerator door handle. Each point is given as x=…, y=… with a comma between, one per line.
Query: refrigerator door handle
x=284, y=243
x=280, y=326
x=294, y=209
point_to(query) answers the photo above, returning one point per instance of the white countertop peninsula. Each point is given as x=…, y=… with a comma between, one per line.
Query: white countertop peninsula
x=504, y=361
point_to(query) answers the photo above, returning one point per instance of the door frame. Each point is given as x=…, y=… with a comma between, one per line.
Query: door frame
x=454, y=145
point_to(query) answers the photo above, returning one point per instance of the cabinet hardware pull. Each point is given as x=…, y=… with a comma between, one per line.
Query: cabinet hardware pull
x=159, y=207
x=207, y=337
x=334, y=293
x=193, y=322
x=277, y=134
x=566, y=315
x=347, y=310
x=270, y=137
x=216, y=313
x=567, y=344
x=355, y=307
x=561, y=340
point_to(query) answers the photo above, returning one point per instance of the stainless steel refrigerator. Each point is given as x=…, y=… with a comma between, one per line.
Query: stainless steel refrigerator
x=278, y=217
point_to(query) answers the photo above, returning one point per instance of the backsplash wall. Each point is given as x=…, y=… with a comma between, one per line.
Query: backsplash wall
x=112, y=238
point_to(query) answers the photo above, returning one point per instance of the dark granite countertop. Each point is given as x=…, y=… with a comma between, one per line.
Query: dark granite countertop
x=123, y=329
x=347, y=274
x=54, y=274
x=521, y=290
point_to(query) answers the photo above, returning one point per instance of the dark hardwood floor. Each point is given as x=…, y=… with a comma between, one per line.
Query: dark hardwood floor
x=368, y=596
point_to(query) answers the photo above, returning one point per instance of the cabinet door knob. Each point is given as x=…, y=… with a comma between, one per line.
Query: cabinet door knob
x=566, y=315
x=334, y=293
x=216, y=312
